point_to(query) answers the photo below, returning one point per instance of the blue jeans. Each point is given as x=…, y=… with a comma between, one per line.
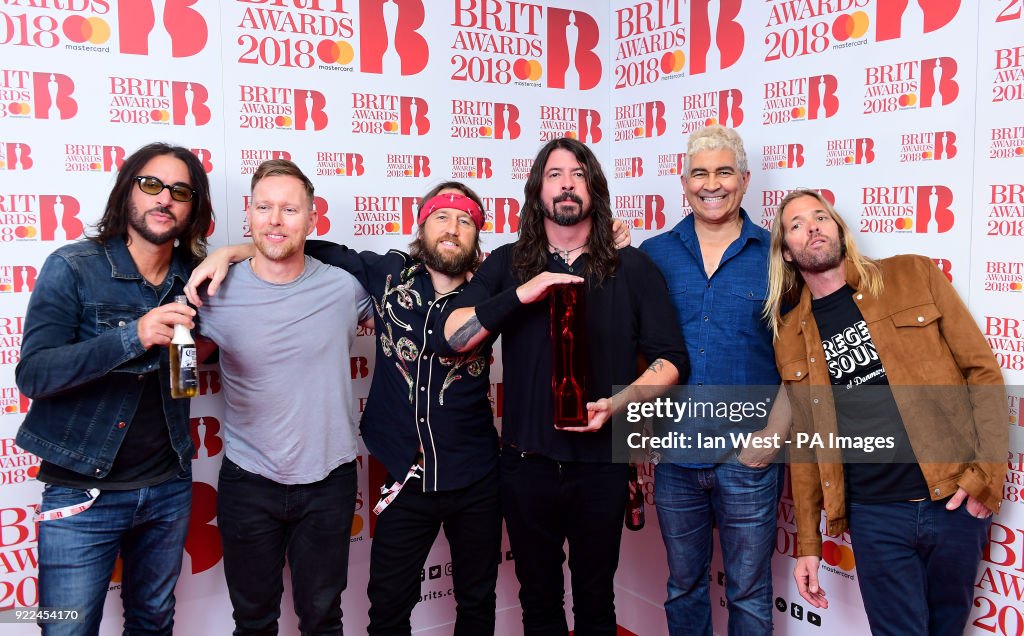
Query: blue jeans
x=742, y=502
x=916, y=565
x=77, y=554
x=260, y=522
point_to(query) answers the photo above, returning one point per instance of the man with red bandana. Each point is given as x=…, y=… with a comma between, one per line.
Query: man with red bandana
x=427, y=419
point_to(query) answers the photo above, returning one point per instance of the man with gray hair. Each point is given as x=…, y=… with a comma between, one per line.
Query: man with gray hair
x=715, y=262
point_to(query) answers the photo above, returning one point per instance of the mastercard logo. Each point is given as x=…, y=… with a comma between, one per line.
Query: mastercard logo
x=283, y=121
x=672, y=62
x=25, y=231
x=357, y=525
x=335, y=52
x=838, y=556
x=160, y=115
x=907, y=100
x=904, y=223
x=527, y=70
x=19, y=108
x=850, y=26
x=799, y=112
x=81, y=30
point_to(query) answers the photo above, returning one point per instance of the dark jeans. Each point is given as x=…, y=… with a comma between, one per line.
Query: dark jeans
x=260, y=522
x=916, y=565
x=77, y=555
x=545, y=503
x=402, y=540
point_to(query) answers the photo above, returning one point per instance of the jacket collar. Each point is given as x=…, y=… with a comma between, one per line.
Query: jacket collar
x=122, y=265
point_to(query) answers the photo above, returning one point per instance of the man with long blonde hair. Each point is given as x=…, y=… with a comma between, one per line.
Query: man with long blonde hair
x=899, y=419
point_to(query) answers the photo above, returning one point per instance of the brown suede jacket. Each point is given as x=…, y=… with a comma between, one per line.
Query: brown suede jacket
x=945, y=380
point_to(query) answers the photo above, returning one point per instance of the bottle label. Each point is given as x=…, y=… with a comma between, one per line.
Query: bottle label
x=188, y=375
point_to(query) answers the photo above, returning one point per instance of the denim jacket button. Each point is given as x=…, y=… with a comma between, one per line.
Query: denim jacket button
x=120, y=323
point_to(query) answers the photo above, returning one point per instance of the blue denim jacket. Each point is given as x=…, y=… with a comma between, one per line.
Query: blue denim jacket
x=82, y=361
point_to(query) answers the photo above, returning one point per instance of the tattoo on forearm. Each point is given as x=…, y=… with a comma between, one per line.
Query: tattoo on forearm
x=465, y=333
x=656, y=366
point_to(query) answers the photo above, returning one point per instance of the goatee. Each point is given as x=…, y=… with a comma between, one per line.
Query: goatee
x=566, y=219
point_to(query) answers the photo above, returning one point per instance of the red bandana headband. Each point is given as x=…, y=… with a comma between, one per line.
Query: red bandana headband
x=455, y=202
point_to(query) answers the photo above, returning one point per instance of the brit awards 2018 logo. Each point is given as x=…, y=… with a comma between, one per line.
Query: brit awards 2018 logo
x=402, y=165
x=390, y=41
x=906, y=209
x=1004, y=276
x=46, y=24
x=251, y=158
x=36, y=95
x=723, y=107
x=640, y=211
x=374, y=114
x=851, y=151
x=796, y=29
x=1006, y=142
x=652, y=37
x=39, y=217
x=637, y=121
x=92, y=158
x=912, y=84
x=1008, y=84
x=800, y=99
x=275, y=108
x=782, y=156
x=136, y=100
x=339, y=164
x=1005, y=210
x=521, y=167
x=501, y=215
x=376, y=215
x=629, y=167
x=1005, y=335
x=503, y=42
x=650, y=42
x=17, y=279
x=15, y=155
x=576, y=123
x=672, y=163
x=770, y=200
x=912, y=18
x=306, y=35
x=11, y=330
x=161, y=28
x=464, y=167
x=473, y=119
x=927, y=146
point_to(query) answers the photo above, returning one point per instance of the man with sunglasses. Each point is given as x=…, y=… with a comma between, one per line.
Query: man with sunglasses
x=115, y=448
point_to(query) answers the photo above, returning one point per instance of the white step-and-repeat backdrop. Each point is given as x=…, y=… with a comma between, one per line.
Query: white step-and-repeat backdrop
x=909, y=115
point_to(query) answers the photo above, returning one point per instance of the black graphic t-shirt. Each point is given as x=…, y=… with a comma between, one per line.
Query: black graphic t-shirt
x=865, y=408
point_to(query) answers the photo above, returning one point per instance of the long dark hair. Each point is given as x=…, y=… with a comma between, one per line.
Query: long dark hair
x=416, y=247
x=192, y=243
x=530, y=253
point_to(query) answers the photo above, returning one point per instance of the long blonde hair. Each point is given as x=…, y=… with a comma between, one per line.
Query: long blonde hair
x=784, y=280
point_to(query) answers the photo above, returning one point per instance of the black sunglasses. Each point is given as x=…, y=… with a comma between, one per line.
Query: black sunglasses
x=179, y=191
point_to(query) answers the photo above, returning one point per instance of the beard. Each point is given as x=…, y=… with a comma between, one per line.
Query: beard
x=276, y=251
x=137, y=220
x=821, y=261
x=447, y=262
x=566, y=218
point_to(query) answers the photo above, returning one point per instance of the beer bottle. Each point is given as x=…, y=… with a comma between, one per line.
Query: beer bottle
x=184, y=379
x=635, y=506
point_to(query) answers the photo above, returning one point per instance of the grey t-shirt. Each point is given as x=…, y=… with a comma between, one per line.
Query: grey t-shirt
x=284, y=358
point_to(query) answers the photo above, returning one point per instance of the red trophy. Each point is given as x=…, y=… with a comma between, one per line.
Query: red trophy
x=569, y=355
